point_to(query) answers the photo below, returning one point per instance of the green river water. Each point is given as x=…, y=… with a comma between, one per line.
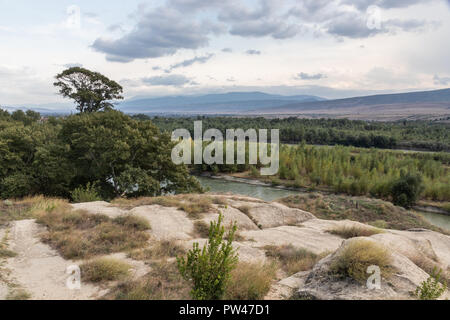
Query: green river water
x=267, y=193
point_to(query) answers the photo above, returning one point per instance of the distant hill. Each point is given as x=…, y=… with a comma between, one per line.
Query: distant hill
x=232, y=102
x=410, y=98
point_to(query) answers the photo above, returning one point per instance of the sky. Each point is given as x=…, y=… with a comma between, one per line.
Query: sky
x=328, y=48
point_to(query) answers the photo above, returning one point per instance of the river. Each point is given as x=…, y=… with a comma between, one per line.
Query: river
x=268, y=193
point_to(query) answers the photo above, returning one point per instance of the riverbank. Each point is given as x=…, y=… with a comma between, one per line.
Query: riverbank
x=334, y=206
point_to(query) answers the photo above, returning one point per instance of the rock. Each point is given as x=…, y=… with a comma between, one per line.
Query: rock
x=99, y=207
x=270, y=215
x=231, y=215
x=166, y=223
x=299, y=237
x=246, y=252
x=322, y=285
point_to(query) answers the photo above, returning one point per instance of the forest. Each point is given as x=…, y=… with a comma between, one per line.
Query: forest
x=354, y=171
x=420, y=135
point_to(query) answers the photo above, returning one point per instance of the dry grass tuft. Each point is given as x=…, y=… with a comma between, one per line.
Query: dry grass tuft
x=161, y=250
x=354, y=259
x=354, y=232
x=104, y=269
x=293, y=259
x=250, y=281
x=429, y=266
x=78, y=234
x=163, y=282
x=191, y=204
x=19, y=295
x=201, y=229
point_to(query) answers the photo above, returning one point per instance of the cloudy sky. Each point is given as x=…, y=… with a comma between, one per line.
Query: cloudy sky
x=330, y=48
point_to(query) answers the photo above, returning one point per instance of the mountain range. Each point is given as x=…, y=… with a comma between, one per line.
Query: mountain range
x=411, y=105
x=232, y=102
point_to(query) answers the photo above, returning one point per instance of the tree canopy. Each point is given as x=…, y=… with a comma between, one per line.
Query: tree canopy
x=121, y=156
x=90, y=90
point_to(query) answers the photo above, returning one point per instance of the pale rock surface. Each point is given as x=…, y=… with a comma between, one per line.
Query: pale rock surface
x=299, y=237
x=166, y=223
x=100, y=207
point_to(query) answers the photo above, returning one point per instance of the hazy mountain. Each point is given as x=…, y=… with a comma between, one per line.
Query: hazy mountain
x=212, y=103
x=423, y=98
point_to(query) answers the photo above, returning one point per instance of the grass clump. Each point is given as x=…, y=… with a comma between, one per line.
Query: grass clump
x=104, y=269
x=250, y=281
x=4, y=251
x=191, y=204
x=163, y=282
x=161, y=250
x=12, y=211
x=292, y=259
x=354, y=232
x=78, y=234
x=357, y=256
x=201, y=229
x=89, y=193
x=18, y=295
x=432, y=288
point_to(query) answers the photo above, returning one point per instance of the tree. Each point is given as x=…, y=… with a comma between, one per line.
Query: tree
x=91, y=91
x=125, y=157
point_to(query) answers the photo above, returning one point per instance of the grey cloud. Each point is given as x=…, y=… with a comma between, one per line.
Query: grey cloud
x=174, y=80
x=253, y=52
x=160, y=32
x=351, y=25
x=387, y=4
x=115, y=27
x=189, y=62
x=258, y=22
x=441, y=81
x=262, y=28
x=228, y=50
x=307, y=76
x=236, y=12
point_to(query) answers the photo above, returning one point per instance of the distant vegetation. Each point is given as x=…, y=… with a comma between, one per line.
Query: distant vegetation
x=424, y=135
x=400, y=177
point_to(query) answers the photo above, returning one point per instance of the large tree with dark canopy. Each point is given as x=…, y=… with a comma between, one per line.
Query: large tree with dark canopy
x=91, y=91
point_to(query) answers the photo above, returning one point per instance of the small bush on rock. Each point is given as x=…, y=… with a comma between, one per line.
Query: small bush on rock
x=209, y=269
x=431, y=289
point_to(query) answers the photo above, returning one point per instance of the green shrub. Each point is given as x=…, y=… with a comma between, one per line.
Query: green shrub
x=209, y=269
x=431, y=289
x=85, y=194
x=406, y=191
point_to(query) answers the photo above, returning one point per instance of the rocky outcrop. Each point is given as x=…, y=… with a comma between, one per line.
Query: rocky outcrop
x=260, y=224
x=322, y=284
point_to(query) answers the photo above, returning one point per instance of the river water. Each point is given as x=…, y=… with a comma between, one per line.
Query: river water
x=268, y=193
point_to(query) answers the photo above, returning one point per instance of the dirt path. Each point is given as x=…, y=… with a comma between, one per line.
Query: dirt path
x=38, y=269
